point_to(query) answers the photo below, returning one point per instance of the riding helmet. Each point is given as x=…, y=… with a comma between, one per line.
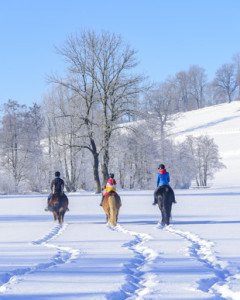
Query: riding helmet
x=111, y=175
x=57, y=174
x=161, y=166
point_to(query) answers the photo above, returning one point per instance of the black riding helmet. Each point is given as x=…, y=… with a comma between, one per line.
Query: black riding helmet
x=111, y=175
x=57, y=174
x=161, y=166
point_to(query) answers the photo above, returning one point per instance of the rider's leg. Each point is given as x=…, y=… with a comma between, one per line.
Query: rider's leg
x=101, y=203
x=48, y=199
x=174, y=200
x=155, y=197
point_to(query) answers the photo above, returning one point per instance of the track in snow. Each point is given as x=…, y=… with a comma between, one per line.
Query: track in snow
x=202, y=250
x=140, y=281
x=63, y=255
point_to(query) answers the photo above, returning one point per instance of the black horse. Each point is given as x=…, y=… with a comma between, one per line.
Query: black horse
x=165, y=198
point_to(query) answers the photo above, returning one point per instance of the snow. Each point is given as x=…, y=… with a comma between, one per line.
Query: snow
x=195, y=257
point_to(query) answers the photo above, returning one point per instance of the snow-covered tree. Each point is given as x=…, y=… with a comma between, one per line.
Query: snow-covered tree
x=100, y=74
x=205, y=156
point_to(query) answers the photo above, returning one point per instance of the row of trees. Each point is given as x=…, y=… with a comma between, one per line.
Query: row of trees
x=102, y=116
x=33, y=147
x=188, y=90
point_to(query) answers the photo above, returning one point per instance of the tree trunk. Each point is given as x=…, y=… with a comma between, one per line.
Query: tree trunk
x=96, y=172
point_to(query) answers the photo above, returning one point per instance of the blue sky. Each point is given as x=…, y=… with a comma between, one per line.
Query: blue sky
x=169, y=36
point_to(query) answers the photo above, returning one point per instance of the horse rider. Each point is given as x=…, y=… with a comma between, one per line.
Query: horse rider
x=163, y=179
x=57, y=187
x=110, y=187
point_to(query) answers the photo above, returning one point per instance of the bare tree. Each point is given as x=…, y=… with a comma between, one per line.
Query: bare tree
x=61, y=128
x=21, y=153
x=225, y=80
x=236, y=61
x=197, y=79
x=100, y=75
x=206, y=158
x=13, y=158
x=160, y=108
x=182, y=84
x=135, y=154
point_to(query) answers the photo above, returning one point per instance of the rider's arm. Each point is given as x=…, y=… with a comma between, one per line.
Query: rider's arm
x=158, y=178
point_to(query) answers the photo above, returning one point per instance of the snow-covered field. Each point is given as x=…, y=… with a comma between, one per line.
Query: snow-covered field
x=196, y=257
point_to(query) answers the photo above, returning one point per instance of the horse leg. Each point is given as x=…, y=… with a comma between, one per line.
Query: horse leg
x=169, y=209
x=117, y=215
x=113, y=215
x=60, y=219
x=164, y=216
x=61, y=215
x=54, y=216
x=107, y=213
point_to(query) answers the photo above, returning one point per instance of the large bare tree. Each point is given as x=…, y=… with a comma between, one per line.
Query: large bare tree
x=100, y=73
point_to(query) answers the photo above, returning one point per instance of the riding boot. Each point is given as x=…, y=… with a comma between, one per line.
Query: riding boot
x=48, y=207
x=174, y=200
x=101, y=203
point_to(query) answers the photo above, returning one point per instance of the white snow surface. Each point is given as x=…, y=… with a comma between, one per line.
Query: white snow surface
x=195, y=257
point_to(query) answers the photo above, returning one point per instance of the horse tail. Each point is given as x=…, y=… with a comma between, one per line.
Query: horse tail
x=113, y=210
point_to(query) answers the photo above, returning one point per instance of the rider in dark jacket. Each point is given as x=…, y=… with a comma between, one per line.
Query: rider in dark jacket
x=57, y=187
x=163, y=179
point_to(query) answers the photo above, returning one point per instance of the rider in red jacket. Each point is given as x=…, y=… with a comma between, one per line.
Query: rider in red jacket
x=110, y=186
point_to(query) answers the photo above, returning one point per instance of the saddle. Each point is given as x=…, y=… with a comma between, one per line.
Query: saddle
x=58, y=203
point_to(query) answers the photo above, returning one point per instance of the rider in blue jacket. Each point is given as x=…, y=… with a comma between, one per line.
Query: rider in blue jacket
x=163, y=179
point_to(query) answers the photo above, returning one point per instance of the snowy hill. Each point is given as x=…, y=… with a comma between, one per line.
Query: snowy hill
x=221, y=122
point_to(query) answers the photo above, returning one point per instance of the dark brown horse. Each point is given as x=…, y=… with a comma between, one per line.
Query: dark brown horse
x=59, y=205
x=111, y=205
x=165, y=198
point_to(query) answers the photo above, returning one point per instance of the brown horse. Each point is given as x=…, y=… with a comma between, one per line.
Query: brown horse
x=59, y=205
x=111, y=205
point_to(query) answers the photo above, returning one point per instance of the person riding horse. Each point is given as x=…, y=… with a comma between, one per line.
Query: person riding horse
x=111, y=201
x=163, y=179
x=57, y=187
x=110, y=187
